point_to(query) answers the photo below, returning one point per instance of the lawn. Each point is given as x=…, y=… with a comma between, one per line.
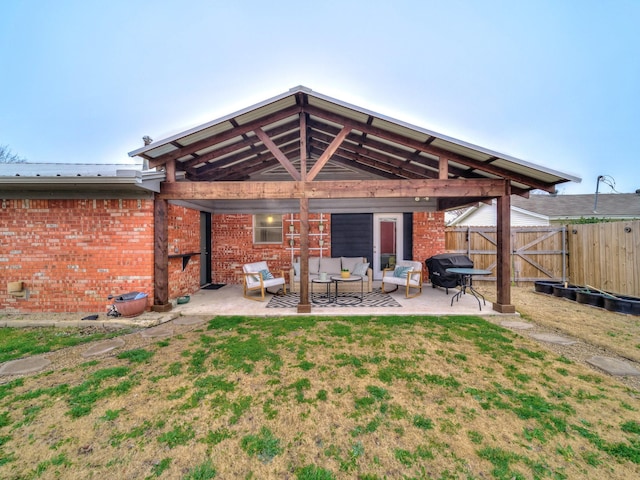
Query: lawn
x=388, y=397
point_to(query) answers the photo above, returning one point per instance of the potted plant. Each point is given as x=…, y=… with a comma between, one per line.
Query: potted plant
x=345, y=273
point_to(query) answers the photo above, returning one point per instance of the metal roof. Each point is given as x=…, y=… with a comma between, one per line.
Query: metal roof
x=66, y=180
x=377, y=146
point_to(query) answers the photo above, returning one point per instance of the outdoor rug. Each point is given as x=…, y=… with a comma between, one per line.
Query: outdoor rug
x=371, y=300
x=213, y=286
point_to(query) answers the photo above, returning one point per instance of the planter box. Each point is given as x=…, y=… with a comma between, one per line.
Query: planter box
x=590, y=298
x=565, y=292
x=543, y=286
x=628, y=305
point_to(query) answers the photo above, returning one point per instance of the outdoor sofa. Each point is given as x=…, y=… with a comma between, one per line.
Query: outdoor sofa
x=332, y=267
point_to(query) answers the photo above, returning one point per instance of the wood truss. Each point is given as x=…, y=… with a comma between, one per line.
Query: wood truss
x=299, y=147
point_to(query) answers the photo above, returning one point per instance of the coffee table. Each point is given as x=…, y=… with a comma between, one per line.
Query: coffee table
x=350, y=298
x=322, y=298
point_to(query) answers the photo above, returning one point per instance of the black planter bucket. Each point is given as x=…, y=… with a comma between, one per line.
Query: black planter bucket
x=628, y=305
x=594, y=299
x=565, y=292
x=543, y=286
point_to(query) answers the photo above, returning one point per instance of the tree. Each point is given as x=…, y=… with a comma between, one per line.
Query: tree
x=7, y=156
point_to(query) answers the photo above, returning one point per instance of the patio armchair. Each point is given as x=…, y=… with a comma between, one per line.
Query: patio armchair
x=406, y=274
x=256, y=276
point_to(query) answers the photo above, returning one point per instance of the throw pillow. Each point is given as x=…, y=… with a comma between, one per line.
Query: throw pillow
x=266, y=275
x=361, y=268
x=401, y=272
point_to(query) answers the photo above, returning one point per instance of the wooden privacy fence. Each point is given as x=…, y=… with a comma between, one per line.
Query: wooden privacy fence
x=602, y=255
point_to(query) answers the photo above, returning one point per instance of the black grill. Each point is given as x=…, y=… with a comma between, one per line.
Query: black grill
x=438, y=264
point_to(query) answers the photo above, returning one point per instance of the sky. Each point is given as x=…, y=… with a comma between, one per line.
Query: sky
x=552, y=82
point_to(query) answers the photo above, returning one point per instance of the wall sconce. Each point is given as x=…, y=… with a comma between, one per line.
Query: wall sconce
x=321, y=242
x=291, y=228
x=321, y=227
x=291, y=242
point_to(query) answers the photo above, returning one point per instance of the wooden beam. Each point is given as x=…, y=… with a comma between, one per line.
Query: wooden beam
x=161, y=255
x=331, y=149
x=443, y=170
x=483, y=188
x=304, y=147
x=170, y=168
x=428, y=148
x=304, y=306
x=282, y=158
x=224, y=136
x=240, y=146
x=503, y=253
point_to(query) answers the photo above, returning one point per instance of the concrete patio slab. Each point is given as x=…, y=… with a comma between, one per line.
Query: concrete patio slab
x=551, y=338
x=614, y=366
x=228, y=300
x=103, y=347
x=24, y=365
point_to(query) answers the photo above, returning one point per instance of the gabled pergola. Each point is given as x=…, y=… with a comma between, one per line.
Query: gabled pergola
x=302, y=151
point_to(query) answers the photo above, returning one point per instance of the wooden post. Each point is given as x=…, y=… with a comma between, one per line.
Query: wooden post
x=304, y=306
x=503, y=250
x=161, y=256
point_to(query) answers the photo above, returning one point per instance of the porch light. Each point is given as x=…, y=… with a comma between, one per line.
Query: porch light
x=291, y=242
x=291, y=228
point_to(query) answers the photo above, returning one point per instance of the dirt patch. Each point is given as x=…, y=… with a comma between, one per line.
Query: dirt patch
x=598, y=332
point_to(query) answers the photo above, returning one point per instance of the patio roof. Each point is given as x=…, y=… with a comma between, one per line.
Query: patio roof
x=270, y=141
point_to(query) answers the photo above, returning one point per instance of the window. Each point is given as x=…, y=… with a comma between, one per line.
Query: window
x=267, y=228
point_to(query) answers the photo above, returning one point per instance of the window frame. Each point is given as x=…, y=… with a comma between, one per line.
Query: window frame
x=276, y=226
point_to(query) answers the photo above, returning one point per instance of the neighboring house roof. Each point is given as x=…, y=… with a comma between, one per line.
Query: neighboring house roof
x=543, y=209
x=558, y=207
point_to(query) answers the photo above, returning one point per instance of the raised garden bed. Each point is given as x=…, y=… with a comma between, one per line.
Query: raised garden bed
x=544, y=286
x=621, y=304
x=588, y=296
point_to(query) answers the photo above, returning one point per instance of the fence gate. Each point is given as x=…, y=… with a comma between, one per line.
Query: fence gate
x=537, y=253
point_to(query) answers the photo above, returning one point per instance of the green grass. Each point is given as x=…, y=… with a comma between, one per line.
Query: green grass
x=262, y=445
x=322, y=398
x=17, y=343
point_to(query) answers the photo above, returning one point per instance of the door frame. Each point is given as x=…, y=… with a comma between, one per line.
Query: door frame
x=377, y=218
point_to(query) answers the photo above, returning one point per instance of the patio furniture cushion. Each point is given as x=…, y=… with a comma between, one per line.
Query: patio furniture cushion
x=361, y=269
x=258, y=277
x=266, y=274
x=412, y=272
x=401, y=272
x=329, y=265
x=351, y=262
x=314, y=264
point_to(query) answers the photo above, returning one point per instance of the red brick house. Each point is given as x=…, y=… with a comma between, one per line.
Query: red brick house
x=254, y=185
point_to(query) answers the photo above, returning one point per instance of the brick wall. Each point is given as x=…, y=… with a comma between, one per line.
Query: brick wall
x=184, y=237
x=233, y=245
x=428, y=235
x=71, y=254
